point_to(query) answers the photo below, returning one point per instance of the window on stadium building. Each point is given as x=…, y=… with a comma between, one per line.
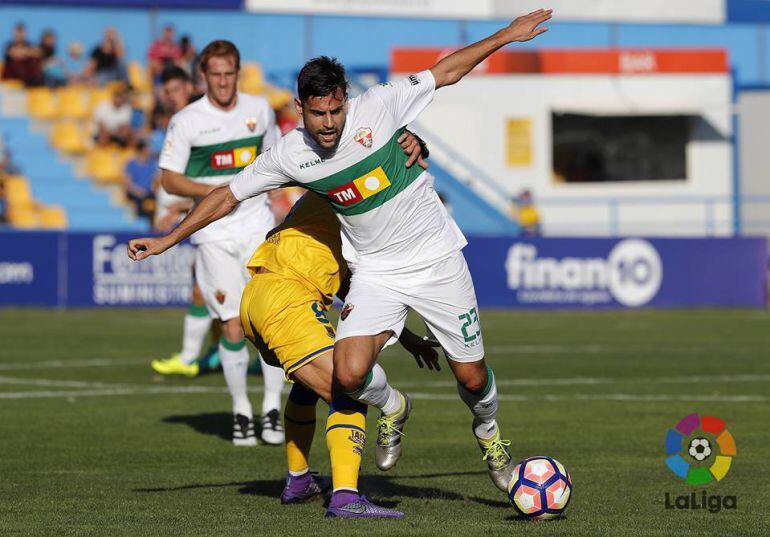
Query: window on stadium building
x=599, y=149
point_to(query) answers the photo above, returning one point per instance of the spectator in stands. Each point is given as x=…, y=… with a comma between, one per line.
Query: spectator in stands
x=107, y=60
x=3, y=202
x=526, y=214
x=189, y=59
x=54, y=70
x=6, y=165
x=164, y=52
x=112, y=120
x=22, y=59
x=75, y=63
x=141, y=178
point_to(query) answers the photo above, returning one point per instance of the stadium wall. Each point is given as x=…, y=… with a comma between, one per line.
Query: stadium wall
x=282, y=42
x=89, y=270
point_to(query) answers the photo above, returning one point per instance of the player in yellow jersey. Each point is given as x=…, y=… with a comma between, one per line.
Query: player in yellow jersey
x=296, y=273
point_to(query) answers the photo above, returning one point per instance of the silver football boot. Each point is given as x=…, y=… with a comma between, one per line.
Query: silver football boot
x=498, y=458
x=390, y=429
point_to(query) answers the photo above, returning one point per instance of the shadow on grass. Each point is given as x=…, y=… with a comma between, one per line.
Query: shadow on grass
x=214, y=423
x=379, y=487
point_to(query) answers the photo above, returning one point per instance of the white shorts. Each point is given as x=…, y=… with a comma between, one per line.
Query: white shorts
x=442, y=294
x=220, y=270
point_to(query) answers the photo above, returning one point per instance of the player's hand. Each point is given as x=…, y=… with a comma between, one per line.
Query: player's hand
x=143, y=248
x=422, y=349
x=412, y=149
x=527, y=27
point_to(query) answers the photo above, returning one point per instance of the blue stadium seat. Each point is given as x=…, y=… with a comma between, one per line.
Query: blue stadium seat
x=53, y=182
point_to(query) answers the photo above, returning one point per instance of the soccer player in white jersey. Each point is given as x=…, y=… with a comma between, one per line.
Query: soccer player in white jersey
x=178, y=92
x=408, y=247
x=207, y=143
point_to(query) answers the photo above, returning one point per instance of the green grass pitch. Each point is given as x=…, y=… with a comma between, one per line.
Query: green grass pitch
x=94, y=444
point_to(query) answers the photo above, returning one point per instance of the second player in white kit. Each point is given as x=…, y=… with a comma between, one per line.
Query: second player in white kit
x=207, y=143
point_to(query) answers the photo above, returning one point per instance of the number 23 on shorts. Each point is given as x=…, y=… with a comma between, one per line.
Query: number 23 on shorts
x=470, y=320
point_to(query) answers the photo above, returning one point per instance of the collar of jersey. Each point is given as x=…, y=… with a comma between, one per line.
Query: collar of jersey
x=215, y=110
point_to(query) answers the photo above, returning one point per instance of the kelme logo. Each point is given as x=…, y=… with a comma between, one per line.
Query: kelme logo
x=700, y=449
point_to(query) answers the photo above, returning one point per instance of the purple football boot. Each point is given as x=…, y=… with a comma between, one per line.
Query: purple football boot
x=347, y=504
x=301, y=488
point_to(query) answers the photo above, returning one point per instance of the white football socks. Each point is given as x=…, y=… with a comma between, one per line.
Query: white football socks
x=274, y=378
x=235, y=365
x=483, y=405
x=377, y=392
x=197, y=323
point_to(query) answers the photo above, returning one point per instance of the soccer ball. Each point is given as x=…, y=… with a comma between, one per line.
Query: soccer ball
x=540, y=488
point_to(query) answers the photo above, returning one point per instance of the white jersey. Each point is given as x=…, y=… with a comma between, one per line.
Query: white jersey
x=390, y=213
x=210, y=146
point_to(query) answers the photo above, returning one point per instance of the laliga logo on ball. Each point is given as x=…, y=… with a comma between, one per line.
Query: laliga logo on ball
x=636, y=272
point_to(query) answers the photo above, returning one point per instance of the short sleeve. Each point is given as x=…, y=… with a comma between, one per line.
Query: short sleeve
x=264, y=174
x=176, y=148
x=272, y=132
x=406, y=98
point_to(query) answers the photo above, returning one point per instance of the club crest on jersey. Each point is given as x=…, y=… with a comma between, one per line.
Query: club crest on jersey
x=361, y=188
x=346, y=309
x=364, y=137
x=251, y=123
x=220, y=296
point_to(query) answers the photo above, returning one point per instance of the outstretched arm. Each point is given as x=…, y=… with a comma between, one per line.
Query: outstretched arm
x=214, y=206
x=458, y=64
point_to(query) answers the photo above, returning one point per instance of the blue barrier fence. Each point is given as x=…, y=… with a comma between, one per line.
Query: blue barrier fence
x=92, y=269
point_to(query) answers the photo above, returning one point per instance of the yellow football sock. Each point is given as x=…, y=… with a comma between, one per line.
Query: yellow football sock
x=299, y=423
x=345, y=438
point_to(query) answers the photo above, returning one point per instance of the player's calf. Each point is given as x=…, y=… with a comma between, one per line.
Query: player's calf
x=477, y=388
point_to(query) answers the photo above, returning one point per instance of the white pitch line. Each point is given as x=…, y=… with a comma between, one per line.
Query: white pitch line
x=590, y=381
x=618, y=397
x=67, y=364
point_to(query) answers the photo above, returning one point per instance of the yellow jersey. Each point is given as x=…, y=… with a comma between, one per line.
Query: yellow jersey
x=306, y=246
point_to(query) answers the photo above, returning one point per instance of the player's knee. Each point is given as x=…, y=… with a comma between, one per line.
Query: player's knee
x=348, y=379
x=472, y=377
x=232, y=330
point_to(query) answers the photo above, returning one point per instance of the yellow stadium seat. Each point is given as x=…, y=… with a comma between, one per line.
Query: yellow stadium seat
x=41, y=104
x=69, y=137
x=18, y=192
x=97, y=96
x=278, y=98
x=252, y=79
x=104, y=166
x=52, y=217
x=72, y=103
x=138, y=78
x=24, y=218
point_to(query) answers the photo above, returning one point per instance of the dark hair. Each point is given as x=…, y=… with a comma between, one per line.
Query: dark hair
x=217, y=49
x=174, y=72
x=321, y=76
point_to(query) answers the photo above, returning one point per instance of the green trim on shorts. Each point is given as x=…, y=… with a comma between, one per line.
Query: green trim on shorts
x=232, y=346
x=198, y=311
